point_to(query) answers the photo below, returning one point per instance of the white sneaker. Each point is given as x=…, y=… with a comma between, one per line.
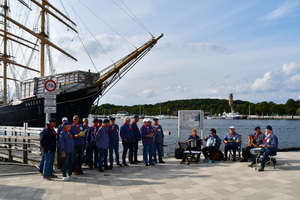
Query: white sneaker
x=65, y=178
x=72, y=177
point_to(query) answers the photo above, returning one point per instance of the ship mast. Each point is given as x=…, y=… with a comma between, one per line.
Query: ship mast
x=42, y=41
x=4, y=56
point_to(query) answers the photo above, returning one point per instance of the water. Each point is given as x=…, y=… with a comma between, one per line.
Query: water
x=287, y=131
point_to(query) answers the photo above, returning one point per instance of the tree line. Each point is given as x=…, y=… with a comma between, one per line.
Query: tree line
x=213, y=106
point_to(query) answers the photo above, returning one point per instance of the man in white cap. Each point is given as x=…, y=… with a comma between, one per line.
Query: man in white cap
x=231, y=140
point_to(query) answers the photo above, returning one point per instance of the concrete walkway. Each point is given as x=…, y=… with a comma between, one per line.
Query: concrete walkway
x=220, y=180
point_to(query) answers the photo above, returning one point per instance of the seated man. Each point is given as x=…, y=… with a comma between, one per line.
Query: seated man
x=194, y=140
x=254, y=140
x=270, y=147
x=231, y=141
x=213, y=143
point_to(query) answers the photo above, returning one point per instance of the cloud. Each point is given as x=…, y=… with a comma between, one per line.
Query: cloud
x=170, y=92
x=286, y=9
x=286, y=78
x=205, y=47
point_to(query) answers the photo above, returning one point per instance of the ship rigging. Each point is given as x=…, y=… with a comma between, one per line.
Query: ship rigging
x=75, y=88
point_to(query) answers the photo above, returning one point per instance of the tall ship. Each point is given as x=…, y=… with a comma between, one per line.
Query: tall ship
x=74, y=91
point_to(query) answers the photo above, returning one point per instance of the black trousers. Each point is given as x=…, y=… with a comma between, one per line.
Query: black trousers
x=208, y=151
x=135, y=150
x=90, y=151
x=127, y=146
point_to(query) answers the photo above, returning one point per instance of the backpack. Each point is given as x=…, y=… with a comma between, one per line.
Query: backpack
x=218, y=155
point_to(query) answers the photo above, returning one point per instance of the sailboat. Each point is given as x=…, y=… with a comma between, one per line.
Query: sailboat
x=75, y=91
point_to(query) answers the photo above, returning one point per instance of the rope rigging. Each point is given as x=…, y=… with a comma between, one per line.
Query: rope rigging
x=133, y=17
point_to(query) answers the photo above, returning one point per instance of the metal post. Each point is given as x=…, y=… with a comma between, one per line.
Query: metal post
x=25, y=152
x=5, y=134
x=9, y=150
x=26, y=132
x=48, y=116
x=16, y=140
x=179, y=125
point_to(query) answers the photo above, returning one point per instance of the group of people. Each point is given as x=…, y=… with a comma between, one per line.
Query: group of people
x=268, y=144
x=101, y=142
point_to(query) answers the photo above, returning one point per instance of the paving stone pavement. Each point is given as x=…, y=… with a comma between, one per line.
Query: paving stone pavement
x=220, y=180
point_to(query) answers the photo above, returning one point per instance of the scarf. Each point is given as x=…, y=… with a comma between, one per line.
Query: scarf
x=156, y=129
x=69, y=135
x=148, y=128
x=256, y=136
x=136, y=125
x=128, y=126
x=76, y=126
x=52, y=128
x=112, y=127
x=266, y=138
x=95, y=129
x=106, y=130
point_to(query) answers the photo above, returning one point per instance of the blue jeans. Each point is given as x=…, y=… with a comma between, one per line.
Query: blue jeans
x=158, y=147
x=148, y=151
x=41, y=168
x=102, y=158
x=48, y=164
x=112, y=148
x=265, y=154
x=67, y=164
x=78, y=154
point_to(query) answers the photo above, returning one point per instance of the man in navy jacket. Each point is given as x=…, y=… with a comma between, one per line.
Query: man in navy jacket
x=158, y=141
x=127, y=136
x=137, y=137
x=48, y=144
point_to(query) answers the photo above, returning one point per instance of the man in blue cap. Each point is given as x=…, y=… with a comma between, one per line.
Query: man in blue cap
x=102, y=139
x=254, y=140
x=127, y=136
x=48, y=144
x=113, y=132
x=67, y=148
x=137, y=137
x=91, y=144
x=270, y=147
x=158, y=141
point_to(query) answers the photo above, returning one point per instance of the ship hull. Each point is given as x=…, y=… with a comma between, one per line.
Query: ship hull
x=32, y=111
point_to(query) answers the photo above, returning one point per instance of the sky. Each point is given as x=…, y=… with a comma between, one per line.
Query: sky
x=209, y=49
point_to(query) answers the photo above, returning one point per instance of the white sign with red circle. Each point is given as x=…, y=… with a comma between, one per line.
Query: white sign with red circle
x=50, y=85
